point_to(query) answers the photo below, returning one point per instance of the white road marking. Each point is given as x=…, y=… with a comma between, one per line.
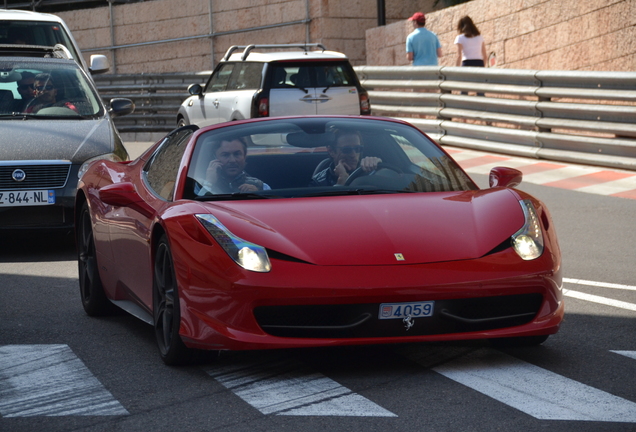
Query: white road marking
x=535, y=391
x=599, y=284
x=600, y=300
x=559, y=174
x=611, y=187
x=287, y=387
x=485, y=168
x=630, y=354
x=49, y=380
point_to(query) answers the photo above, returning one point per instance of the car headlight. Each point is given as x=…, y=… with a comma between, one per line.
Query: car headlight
x=248, y=255
x=108, y=156
x=528, y=241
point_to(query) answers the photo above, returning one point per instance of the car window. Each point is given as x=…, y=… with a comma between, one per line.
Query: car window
x=35, y=33
x=285, y=158
x=311, y=74
x=246, y=76
x=46, y=88
x=220, y=78
x=162, y=169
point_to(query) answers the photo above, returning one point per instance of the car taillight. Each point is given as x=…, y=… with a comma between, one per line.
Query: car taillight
x=263, y=107
x=365, y=106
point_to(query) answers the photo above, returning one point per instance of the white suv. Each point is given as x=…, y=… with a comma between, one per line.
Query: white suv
x=252, y=84
x=18, y=27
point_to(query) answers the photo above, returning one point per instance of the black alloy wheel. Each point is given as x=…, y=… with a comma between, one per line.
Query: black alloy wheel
x=92, y=293
x=167, y=317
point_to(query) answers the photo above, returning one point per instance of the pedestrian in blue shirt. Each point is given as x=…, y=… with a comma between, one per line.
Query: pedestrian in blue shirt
x=422, y=45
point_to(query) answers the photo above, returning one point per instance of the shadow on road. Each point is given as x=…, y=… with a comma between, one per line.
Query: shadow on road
x=36, y=246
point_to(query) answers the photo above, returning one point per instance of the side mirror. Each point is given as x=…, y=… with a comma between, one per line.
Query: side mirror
x=504, y=177
x=195, y=90
x=99, y=64
x=121, y=107
x=125, y=195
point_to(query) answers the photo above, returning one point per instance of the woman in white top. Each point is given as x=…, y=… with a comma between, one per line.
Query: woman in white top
x=471, y=49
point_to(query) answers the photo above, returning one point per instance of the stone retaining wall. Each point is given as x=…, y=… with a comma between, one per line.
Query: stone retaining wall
x=527, y=34
x=340, y=25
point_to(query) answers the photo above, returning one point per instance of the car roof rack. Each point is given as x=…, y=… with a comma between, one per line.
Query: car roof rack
x=57, y=51
x=248, y=48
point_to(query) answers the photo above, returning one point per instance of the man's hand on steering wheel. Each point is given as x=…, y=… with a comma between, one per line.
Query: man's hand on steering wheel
x=370, y=163
x=359, y=172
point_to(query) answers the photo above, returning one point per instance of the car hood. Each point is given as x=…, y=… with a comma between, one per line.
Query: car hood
x=72, y=140
x=378, y=229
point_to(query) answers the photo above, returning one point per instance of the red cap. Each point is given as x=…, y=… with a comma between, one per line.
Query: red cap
x=419, y=17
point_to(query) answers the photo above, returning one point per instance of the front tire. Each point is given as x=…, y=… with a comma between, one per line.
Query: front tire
x=167, y=316
x=92, y=292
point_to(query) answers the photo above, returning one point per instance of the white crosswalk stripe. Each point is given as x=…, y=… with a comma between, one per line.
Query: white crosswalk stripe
x=288, y=387
x=630, y=354
x=50, y=380
x=535, y=391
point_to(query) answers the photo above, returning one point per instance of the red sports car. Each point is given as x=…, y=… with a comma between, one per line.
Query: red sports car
x=314, y=231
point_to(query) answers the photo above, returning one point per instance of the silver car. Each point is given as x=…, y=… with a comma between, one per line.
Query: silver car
x=52, y=122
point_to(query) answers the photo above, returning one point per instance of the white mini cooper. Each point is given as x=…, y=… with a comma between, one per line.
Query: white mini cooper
x=308, y=80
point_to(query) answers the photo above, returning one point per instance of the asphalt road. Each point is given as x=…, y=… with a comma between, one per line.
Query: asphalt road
x=63, y=371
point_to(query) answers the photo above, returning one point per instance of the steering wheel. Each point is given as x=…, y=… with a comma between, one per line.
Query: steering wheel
x=359, y=172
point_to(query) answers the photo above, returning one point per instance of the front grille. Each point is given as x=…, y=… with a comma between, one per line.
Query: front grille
x=39, y=216
x=361, y=320
x=38, y=176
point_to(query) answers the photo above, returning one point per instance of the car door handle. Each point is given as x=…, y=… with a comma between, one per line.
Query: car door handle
x=321, y=98
x=215, y=103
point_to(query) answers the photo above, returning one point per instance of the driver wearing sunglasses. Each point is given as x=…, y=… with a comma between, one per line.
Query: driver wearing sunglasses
x=46, y=95
x=345, y=154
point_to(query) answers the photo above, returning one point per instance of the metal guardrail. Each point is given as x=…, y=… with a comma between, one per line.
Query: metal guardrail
x=580, y=117
x=157, y=98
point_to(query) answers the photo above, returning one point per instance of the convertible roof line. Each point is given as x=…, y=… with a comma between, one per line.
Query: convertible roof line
x=248, y=48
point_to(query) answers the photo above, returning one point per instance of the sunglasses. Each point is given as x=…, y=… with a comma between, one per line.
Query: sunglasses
x=42, y=88
x=25, y=87
x=350, y=149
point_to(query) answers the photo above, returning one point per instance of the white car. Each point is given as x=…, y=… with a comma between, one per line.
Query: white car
x=18, y=27
x=248, y=84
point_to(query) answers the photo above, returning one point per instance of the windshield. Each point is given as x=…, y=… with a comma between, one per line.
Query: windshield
x=35, y=33
x=318, y=157
x=51, y=89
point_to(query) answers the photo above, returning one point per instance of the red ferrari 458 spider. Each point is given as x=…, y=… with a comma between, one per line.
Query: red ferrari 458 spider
x=314, y=231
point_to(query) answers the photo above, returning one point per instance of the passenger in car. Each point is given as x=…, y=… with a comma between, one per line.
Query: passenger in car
x=345, y=153
x=226, y=173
